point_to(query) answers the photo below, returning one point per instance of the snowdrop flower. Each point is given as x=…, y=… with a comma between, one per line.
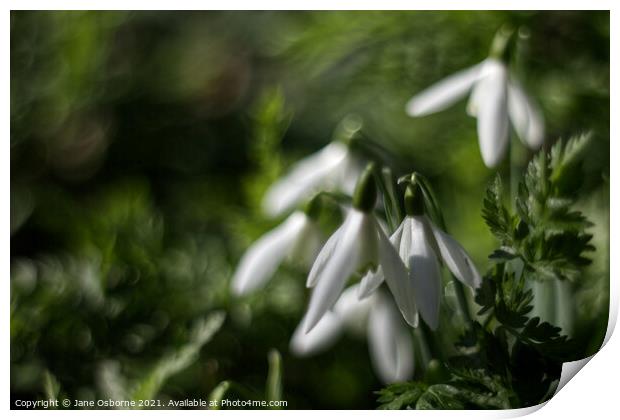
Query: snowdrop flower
x=495, y=98
x=333, y=168
x=389, y=339
x=297, y=238
x=357, y=245
x=419, y=243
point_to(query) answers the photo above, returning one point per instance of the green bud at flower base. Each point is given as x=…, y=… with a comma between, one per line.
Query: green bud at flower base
x=503, y=44
x=313, y=207
x=365, y=195
x=414, y=200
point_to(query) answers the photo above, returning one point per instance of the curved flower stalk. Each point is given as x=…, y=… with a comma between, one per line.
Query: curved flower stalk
x=389, y=339
x=297, y=238
x=358, y=244
x=420, y=243
x=495, y=98
x=333, y=168
x=554, y=303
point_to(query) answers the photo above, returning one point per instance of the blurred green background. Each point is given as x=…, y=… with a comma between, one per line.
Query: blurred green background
x=141, y=145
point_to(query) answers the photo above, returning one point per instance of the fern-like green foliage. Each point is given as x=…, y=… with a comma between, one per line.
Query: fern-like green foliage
x=545, y=233
x=545, y=239
x=468, y=388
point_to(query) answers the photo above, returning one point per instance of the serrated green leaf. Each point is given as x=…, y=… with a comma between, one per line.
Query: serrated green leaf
x=440, y=397
x=495, y=214
x=400, y=396
x=503, y=254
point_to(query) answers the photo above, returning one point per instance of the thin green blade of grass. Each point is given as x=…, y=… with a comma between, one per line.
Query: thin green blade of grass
x=175, y=362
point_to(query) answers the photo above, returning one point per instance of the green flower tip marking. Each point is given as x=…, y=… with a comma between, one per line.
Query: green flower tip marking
x=365, y=195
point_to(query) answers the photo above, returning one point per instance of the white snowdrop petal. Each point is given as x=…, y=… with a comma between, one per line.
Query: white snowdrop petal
x=348, y=310
x=382, y=353
x=536, y=130
x=308, y=244
x=492, y=114
x=323, y=257
x=525, y=116
x=456, y=258
x=350, y=171
x=305, y=177
x=338, y=269
x=389, y=342
x=518, y=110
x=424, y=272
x=404, y=352
x=368, y=242
x=325, y=332
x=373, y=279
x=370, y=282
x=262, y=259
x=477, y=92
x=444, y=93
x=405, y=241
x=397, y=235
x=396, y=278
x=473, y=102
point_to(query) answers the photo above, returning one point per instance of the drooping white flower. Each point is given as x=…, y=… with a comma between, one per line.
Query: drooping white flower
x=389, y=339
x=333, y=168
x=420, y=243
x=358, y=244
x=495, y=98
x=297, y=238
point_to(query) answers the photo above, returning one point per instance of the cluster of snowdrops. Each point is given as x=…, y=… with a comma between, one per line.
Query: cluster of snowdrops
x=392, y=232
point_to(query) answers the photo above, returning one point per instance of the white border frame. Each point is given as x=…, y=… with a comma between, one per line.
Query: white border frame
x=593, y=394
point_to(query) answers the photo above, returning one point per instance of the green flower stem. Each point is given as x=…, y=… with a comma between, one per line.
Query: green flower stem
x=503, y=44
x=461, y=301
x=421, y=337
x=512, y=174
x=393, y=213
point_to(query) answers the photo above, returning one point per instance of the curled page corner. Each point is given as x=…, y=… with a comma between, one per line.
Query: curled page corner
x=569, y=370
x=520, y=412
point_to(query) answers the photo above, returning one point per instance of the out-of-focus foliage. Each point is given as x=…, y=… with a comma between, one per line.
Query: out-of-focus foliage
x=141, y=145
